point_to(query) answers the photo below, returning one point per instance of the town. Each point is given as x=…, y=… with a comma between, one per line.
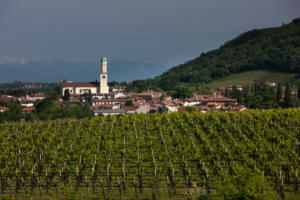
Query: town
x=118, y=101
x=106, y=100
x=99, y=99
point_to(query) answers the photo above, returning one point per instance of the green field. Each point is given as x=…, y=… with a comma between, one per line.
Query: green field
x=247, y=78
x=152, y=156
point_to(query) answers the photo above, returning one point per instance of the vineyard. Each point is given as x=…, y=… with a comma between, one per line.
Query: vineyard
x=149, y=156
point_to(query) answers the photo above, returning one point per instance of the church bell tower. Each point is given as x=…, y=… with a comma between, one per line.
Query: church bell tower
x=103, y=76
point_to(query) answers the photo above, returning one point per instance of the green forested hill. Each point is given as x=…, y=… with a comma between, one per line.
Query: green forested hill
x=270, y=49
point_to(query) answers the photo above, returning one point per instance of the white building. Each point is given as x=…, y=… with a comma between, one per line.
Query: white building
x=96, y=88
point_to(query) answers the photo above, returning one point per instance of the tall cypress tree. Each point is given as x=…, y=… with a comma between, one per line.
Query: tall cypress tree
x=287, y=95
x=66, y=96
x=226, y=93
x=278, y=93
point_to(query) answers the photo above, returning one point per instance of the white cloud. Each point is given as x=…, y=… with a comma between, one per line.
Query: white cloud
x=13, y=61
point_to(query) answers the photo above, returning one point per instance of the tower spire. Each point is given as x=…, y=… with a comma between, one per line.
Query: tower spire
x=103, y=76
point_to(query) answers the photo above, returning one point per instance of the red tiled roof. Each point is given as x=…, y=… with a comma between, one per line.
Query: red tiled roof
x=39, y=94
x=107, y=106
x=110, y=100
x=7, y=99
x=181, y=109
x=28, y=109
x=168, y=102
x=130, y=108
x=219, y=99
x=146, y=93
x=99, y=106
x=193, y=99
x=26, y=101
x=59, y=102
x=79, y=84
x=239, y=108
x=3, y=108
x=137, y=98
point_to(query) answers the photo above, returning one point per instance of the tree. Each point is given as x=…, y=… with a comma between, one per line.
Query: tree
x=86, y=99
x=226, y=93
x=66, y=96
x=237, y=94
x=90, y=97
x=162, y=109
x=182, y=92
x=57, y=89
x=190, y=109
x=53, y=95
x=14, y=113
x=246, y=184
x=113, y=83
x=278, y=93
x=46, y=106
x=74, y=111
x=287, y=95
x=129, y=102
x=298, y=92
x=246, y=91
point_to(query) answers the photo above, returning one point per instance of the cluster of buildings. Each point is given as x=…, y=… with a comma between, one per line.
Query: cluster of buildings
x=110, y=101
x=150, y=101
x=26, y=102
x=115, y=100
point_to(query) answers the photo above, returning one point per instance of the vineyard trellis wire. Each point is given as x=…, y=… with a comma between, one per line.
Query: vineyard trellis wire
x=148, y=156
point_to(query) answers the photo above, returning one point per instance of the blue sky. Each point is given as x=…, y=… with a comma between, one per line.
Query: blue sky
x=169, y=32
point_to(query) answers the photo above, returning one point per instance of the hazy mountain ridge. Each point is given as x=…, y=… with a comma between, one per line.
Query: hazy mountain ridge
x=55, y=70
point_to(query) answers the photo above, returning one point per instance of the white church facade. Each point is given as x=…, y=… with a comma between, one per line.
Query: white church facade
x=96, y=88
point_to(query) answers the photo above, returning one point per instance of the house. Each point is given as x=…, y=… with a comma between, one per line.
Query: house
x=192, y=101
x=239, y=108
x=27, y=109
x=170, y=105
x=26, y=103
x=147, y=95
x=60, y=103
x=271, y=84
x=239, y=87
x=219, y=101
x=137, y=108
x=96, y=88
x=143, y=108
x=3, y=109
x=118, y=89
x=7, y=99
x=109, y=101
x=79, y=88
x=36, y=96
x=105, y=107
x=108, y=112
x=154, y=105
x=295, y=93
x=181, y=109
x=165, y=97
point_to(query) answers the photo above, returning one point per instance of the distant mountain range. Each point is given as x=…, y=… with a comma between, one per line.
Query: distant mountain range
x=271, y=49
x=55, y=70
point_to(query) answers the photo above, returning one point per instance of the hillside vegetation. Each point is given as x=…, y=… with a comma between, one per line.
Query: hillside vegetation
x=272, y=49
x=249, y=77
x=249, y=155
